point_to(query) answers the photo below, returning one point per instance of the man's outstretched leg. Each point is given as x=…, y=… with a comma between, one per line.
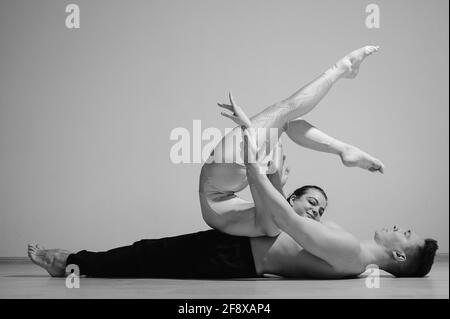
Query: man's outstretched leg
x=52, y=260
x=118, y=262
x=204, y=254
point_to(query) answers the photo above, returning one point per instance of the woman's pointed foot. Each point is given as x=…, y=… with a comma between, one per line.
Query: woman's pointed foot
x=349, y=65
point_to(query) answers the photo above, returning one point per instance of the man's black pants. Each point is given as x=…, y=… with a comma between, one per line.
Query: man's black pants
x=205, y=254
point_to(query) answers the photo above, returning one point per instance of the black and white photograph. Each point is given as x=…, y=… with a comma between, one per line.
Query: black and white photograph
x=225, y=155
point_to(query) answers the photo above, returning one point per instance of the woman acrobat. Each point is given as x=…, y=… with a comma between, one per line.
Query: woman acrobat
x=220, y=181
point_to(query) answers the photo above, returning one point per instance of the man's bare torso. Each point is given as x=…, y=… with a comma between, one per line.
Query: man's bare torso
x=283, y=256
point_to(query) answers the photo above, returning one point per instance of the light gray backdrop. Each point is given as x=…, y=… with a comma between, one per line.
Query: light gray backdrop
x=85, y=115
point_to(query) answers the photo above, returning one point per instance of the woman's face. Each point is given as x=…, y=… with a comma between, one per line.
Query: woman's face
x=312, y=204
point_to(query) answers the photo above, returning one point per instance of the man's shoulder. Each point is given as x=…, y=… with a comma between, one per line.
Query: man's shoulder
x=332, y=225
x=351, y=245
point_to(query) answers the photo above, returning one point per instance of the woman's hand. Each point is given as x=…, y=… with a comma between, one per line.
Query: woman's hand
x=238, y=116
x=253, y=155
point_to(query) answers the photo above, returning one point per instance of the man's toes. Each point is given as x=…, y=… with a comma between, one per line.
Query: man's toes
x=31, y=254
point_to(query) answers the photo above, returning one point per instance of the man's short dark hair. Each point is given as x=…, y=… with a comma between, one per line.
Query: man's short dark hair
x=419, y=261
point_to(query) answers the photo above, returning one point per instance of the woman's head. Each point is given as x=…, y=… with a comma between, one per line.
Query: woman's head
x=309, y=201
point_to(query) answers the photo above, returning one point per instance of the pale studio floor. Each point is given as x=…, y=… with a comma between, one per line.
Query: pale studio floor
x=21, y=279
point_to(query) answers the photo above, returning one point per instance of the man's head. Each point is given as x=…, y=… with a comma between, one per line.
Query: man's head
x=410, y=254
x=309, y=201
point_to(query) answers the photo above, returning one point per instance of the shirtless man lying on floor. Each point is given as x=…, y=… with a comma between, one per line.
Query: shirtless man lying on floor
x=272, y=235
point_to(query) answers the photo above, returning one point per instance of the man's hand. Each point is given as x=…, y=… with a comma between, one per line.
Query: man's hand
x=278, y=171
x=252, y=155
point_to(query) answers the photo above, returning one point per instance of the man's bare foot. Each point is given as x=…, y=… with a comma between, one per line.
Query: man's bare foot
x=349, y=65
x=52, y=260
x=352, y=156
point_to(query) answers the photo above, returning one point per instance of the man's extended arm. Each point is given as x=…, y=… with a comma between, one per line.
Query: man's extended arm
x=328, y=244
x=279, y=170
x=263, y=217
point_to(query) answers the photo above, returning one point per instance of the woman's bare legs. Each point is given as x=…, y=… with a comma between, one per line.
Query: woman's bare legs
x=221, y=180
x=306, y=135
